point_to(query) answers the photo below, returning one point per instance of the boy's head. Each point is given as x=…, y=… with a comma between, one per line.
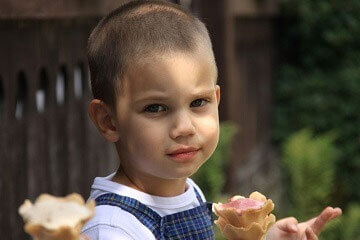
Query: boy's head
x=138, y=30
x=154, y=83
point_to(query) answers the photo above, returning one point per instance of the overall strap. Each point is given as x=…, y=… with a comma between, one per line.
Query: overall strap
x=198, y=196
x=148, y=217
x=195, y=223
x=208, y=204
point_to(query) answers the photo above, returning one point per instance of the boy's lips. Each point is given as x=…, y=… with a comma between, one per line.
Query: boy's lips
x=182, y=150
x=183, y=154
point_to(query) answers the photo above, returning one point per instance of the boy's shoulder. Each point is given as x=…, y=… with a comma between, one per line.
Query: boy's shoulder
x=115, y=223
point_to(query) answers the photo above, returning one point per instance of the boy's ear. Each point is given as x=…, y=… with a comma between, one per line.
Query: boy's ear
x=101, y=115
x=217, y=92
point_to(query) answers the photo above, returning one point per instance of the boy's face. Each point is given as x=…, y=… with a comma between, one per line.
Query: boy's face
x=167, y=115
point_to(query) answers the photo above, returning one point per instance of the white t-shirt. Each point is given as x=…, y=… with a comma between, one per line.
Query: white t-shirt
x=113, y=223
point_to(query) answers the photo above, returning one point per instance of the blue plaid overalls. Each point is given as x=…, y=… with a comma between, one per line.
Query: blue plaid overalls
x=195, y=223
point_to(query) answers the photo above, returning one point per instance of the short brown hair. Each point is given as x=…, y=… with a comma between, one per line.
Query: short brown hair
x=135, y=30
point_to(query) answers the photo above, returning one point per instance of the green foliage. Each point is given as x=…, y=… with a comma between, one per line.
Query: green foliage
x=352, y=223
x=334, y=230
x=211, y=176
x=220, y=198
x=310, y=162
x=346, y=227
x=318, y=81
x=218, y=234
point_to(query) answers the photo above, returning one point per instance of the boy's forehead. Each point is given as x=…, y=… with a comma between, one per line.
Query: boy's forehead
x=153, y=71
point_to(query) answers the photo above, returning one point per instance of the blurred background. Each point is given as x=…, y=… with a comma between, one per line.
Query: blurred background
x=289, y=72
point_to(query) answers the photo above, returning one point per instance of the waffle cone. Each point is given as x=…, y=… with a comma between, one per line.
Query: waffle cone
x=40, y=228
x=249, y=224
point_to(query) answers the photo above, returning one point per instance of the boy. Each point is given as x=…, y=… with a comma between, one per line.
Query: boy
x=153, y=77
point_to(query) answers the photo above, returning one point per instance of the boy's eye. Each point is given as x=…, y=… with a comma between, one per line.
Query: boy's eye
x=155, y=108
x=198, y=102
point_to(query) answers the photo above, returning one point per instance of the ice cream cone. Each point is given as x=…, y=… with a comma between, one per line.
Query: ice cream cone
x=56, y=218
x=245, y=218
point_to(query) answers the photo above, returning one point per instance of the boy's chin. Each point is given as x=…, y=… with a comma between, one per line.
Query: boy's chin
x=182, y=173
x=178, y=172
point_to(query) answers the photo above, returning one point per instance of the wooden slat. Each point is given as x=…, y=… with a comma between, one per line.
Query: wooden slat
x=215, y=15
x=18, y=138
x=251, y=91
x=74, y=128
x=254, y=75
x=16, y=147
x=37, y=125
x=254, y=8
x=14, y=9
x=6, y=184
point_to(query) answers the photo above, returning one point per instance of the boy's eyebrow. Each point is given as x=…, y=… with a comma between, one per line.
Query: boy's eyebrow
x=154, y=95
x=161, y=96
x=204, y=93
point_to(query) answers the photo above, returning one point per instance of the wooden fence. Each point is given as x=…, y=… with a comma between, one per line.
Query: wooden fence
x=48, y=143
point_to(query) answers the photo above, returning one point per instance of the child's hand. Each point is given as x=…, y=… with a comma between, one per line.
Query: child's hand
x=84, y=237
x=290, y=229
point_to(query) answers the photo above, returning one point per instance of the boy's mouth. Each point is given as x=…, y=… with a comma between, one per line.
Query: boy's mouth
x=183, y=150
x=183, y=154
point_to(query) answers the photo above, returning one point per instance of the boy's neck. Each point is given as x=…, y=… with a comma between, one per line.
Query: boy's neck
x=153, y=186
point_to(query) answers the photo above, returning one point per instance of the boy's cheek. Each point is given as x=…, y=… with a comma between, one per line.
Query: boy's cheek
x=210, y=131
x=210, y=124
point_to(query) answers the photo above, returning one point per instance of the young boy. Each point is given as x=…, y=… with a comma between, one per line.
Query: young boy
x=153, y=76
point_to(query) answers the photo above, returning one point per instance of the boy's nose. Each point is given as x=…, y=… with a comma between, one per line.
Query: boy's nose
x=183, y=126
